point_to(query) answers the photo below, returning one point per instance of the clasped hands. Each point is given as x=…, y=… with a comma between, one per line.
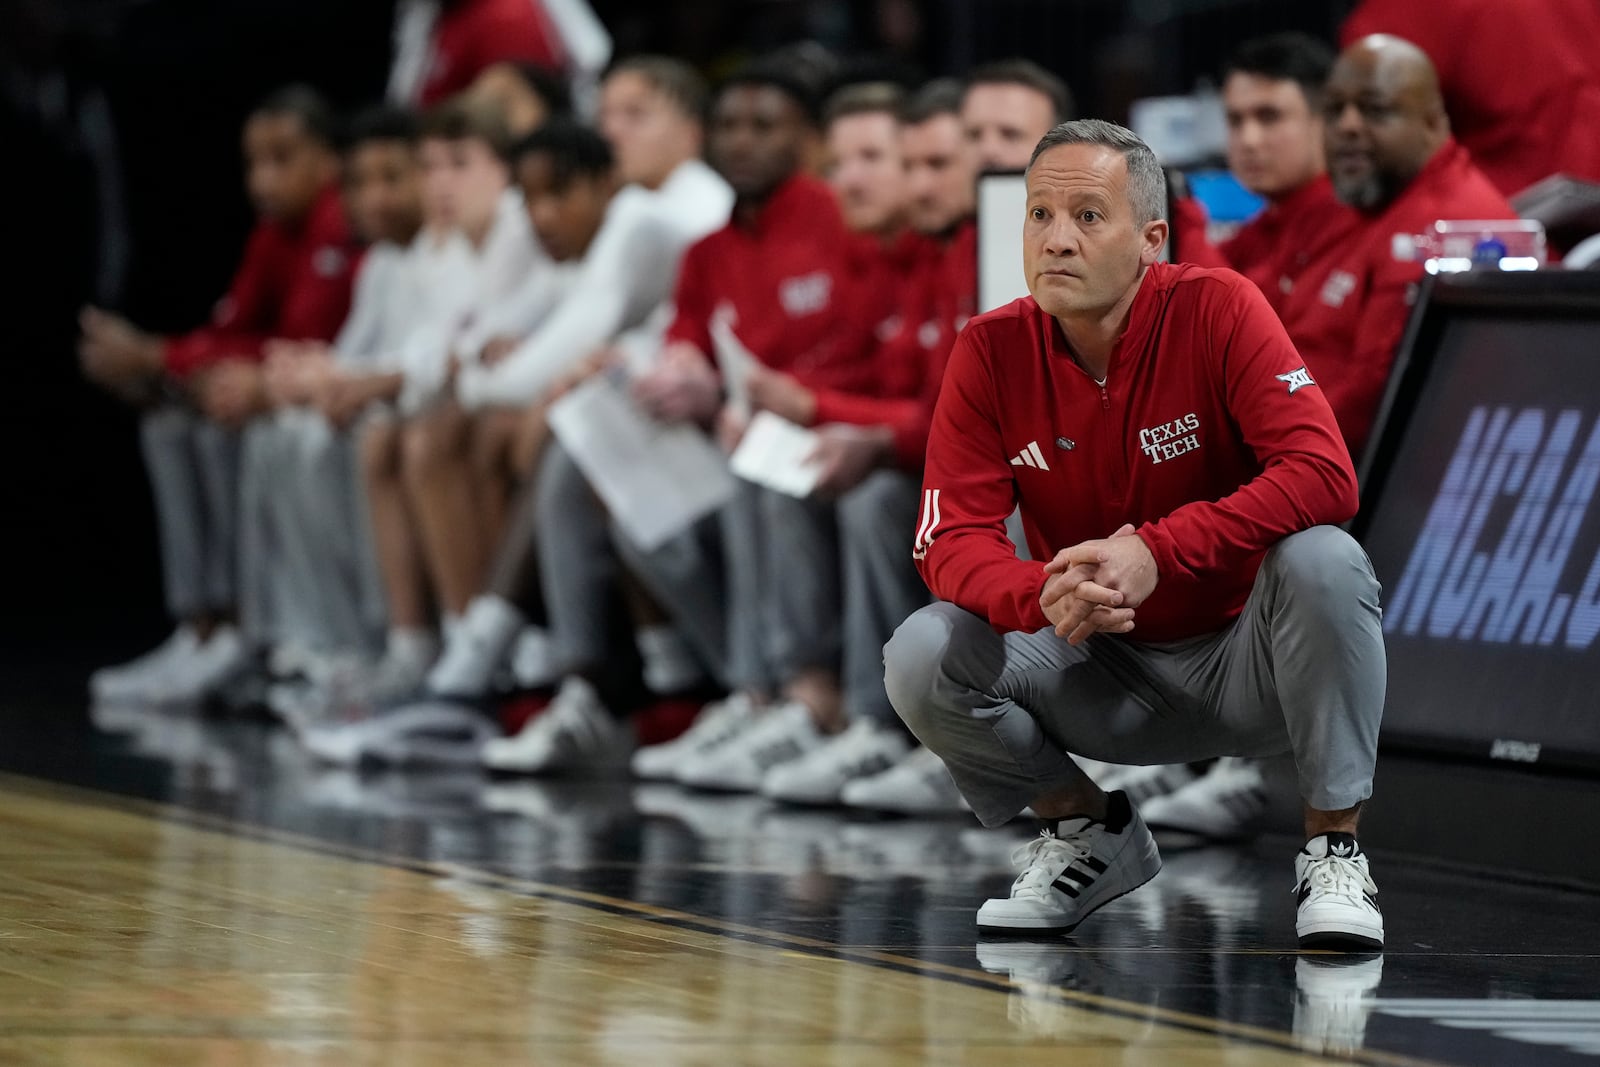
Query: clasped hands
x=1096, y=587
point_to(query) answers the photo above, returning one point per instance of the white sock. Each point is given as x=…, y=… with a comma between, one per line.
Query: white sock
x=533, y=659
x=669, y=663
x=476, y=647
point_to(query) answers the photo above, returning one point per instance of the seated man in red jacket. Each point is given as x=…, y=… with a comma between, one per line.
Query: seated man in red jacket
x=1391, y=157
x=1162, y=405
x=293, y=283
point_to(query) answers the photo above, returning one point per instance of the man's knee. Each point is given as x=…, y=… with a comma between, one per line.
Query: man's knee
x=1323, y=562
x=917, y=659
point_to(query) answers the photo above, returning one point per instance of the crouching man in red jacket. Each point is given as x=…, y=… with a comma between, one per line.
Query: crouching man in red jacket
x=1164, y=406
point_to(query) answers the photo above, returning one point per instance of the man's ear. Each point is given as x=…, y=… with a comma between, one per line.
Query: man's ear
x=1154, y=235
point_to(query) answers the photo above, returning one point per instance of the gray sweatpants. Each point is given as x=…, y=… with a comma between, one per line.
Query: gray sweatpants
x=309, y=569
x=1301, y=670
x=193, y=466
x=579, y=550
x=881, y=584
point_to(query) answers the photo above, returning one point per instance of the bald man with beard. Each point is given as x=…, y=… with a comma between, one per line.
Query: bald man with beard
x=1392, y=158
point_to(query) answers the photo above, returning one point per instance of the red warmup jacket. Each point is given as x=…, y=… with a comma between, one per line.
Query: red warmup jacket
x=939, y=294
x=786, y=284
x=293, y=282
x=475, y=34
x=1208, y=436
x=1521, y=78
x=1275, y=248
x=1349, y=311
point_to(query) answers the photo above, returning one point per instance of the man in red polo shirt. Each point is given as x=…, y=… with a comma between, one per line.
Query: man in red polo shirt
x=1520, y=80
x=1272, y=96
x=294, y=283
x=871, y=444
x=1391, y=157
x=1223, y=615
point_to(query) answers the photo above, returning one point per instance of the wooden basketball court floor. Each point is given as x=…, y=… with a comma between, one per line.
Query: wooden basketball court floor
x=182, y=892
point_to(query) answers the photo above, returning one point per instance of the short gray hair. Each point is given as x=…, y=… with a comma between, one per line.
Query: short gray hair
x=1147, y=182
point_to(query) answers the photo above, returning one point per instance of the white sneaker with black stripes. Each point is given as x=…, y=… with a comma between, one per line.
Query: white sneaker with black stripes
x=1336, y=896
x=778, y=736
x=1069, y=871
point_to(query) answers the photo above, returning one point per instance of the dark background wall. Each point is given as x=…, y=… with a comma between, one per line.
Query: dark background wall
x=154, y=229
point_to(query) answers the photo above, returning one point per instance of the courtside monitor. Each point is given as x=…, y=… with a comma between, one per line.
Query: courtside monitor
x=1481, y=514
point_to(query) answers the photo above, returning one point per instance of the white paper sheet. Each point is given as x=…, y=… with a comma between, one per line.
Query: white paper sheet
x=657, y=479
x=734, y=360
x=774, y=454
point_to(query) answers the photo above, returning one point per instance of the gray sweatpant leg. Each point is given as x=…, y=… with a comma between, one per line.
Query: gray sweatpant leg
x=881, y=584
x=800, y=591
x=264, y=479
x=577, y=568
x=1301, y=670
x=331, y=587
x=194, y=475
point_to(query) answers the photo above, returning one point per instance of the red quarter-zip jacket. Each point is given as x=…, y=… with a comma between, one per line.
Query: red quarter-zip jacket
x=1348, y=309
x=938, y=296
x=1208, y=436
x=784, y=282
x=293, y=282
x=1291, y=233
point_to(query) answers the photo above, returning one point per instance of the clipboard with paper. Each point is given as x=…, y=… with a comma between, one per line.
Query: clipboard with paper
x=657, y=479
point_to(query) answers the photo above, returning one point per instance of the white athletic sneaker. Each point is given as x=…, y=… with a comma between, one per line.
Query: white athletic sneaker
x=575, y=733
x=476, y=648
x=864, y=749
x=1333, y=997
x=783, y=733
x=1069, y=872
x=1227, y=803
x=918, y=785
x=716, y=724
x=1337, y=908
x=426, y=732
x=139, y=679
x=1144, y=784
x=203, y=672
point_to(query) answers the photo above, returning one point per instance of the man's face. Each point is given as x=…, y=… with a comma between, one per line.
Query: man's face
x=649, y=134
x=1380, y=128
x=285, y=167
x=1003, y=123
x=382, y=191
x=1274, y=137
x=940, y=178
x=1082, y=247
x=757, y=137
x=503, y=89
x=866, y=172
x=461, y=183
x=564, y=216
